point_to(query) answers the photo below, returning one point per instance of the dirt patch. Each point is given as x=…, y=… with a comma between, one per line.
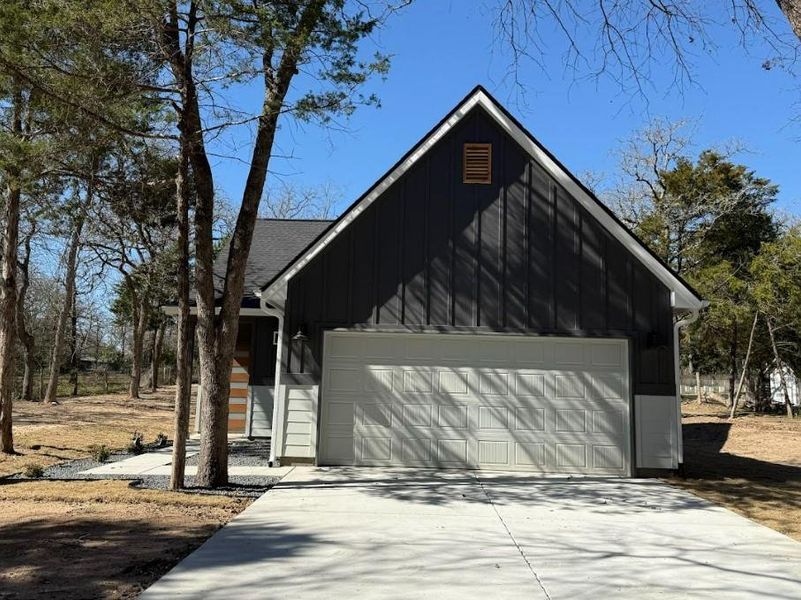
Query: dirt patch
x=47, y=434
x=94, y=539
x=751, y=465
x=98, y=539
x=769, y=438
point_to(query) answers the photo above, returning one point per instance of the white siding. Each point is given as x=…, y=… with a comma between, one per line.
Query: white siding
x=300, y=422
x=657, y=443
x=261, y=410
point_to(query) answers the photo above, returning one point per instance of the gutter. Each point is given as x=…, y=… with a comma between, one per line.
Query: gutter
x=277, y=405
x=692, y=317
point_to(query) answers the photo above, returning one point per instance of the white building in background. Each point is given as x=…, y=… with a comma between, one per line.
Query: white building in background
x=793, y=387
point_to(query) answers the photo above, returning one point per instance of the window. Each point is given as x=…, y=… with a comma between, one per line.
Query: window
x=477, y=163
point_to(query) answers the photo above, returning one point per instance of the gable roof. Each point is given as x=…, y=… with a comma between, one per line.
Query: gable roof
x=683, y=296
x=275, y=243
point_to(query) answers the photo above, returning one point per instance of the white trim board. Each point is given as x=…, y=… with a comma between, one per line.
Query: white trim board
x=683, y=298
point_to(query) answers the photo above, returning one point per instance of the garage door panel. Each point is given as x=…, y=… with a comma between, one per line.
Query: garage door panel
x=416, y=451
x=493, y=383
x=569, y=353
x=529, y=385
x=376, y=415
x=453, y=382
x=376, y=449
x=530, y=419
x=379, y=380
x=531, y=454
x=452, y=452
x=340, y=449
x=493, y=417
x=417, y=381
x=453, y=417
x=570, y=420
x=493, y=453
x=607, y=457
x=491, y=402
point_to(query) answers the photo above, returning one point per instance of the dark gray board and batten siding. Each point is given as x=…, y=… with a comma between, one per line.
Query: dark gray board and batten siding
x=519, y=255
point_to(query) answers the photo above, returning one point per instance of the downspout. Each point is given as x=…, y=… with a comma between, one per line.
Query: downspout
x=677, y=326
x=277, y=404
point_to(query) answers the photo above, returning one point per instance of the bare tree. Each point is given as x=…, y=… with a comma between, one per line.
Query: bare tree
x=735, y=400
x=627, y=42
x=26, y=337
x=295, y=202
x=183, y=350
x=70, y=273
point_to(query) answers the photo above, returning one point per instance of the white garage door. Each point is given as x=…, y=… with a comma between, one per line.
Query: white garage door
x=481, y=402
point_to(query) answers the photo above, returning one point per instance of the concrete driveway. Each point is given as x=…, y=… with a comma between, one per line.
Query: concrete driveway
x=400, y=533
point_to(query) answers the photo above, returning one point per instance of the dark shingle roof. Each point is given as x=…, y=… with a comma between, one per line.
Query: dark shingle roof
x=275, y=243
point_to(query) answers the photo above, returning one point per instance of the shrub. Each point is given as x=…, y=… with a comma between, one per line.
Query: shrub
x=136, y=447
x=100, y=452
x=34, y=471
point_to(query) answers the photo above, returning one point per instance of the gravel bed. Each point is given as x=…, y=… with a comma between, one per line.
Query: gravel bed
x=240, y=453
x=244, y=453
x=241, y=487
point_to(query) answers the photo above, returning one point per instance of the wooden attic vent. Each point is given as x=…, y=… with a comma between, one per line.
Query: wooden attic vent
x=477, y=163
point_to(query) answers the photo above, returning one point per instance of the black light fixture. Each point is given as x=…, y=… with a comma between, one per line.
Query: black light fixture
x=299, y=345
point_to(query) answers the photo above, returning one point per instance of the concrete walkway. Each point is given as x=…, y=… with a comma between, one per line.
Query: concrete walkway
x=141, y=464
x=159, y=462
x=396, y=533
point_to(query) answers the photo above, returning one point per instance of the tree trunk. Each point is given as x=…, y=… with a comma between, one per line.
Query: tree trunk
x=217, y=333
x=699, y=396
x=792, y=10
x=74, y=345
x=26, y=338
x=8, y=289
x=186, y=325
x=137, y=347
x=780, y=366
x=155, y=357
x=733, y=363
x=745, y=367
x=66, y=310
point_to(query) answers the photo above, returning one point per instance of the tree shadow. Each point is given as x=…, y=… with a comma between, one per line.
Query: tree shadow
x=704, y=457
x=96, y=558
x=442, y=488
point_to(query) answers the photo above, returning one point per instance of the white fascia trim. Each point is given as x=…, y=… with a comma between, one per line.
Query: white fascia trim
x=243, y=312
x=683, y=298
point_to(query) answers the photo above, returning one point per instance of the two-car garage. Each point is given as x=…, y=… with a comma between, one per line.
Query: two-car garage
x=500, y=402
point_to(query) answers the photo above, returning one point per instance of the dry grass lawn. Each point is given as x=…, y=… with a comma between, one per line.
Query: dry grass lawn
x=751, y=465
x=48, y=434
x=98, y=539
x=94, y=539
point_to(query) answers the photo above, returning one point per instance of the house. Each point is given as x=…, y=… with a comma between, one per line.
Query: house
x=777, y=389
x=477, y=307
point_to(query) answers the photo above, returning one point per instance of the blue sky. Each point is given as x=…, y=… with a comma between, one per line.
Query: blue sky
x=442, y=48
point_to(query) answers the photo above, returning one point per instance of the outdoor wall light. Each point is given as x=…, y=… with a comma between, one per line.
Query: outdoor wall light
x=299, y=344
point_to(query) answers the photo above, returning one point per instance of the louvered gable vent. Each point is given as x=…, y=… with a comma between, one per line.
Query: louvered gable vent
x=477, y=163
